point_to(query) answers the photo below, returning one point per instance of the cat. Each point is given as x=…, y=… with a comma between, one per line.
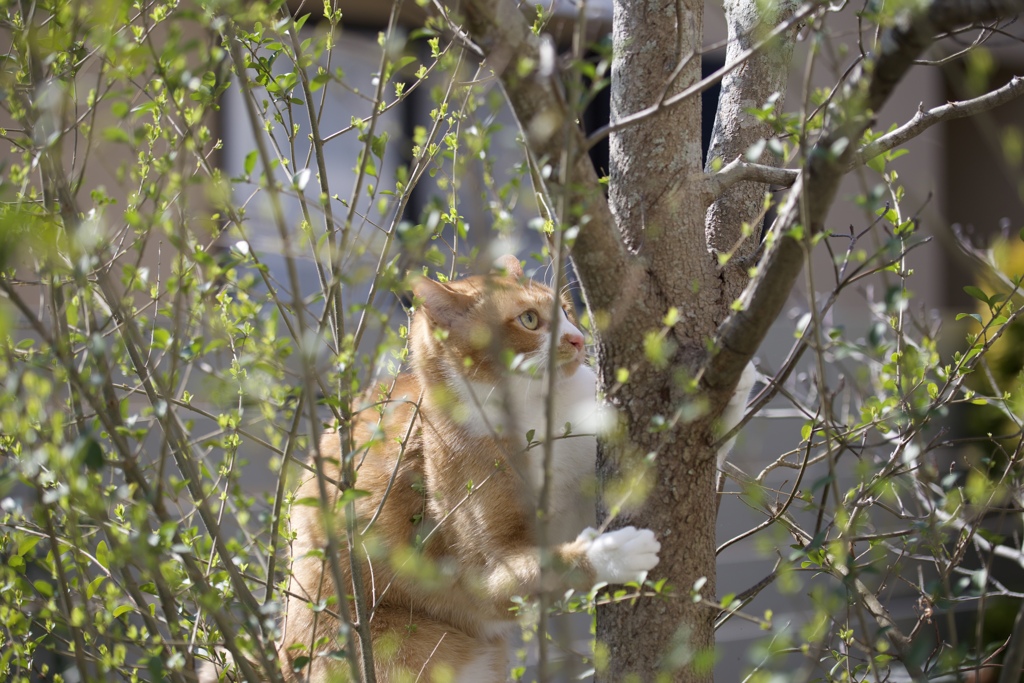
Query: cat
x=453, y=490
x=462, y=510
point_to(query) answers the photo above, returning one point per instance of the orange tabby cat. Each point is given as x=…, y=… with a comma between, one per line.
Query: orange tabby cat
x=448, y=529
x=455, y=538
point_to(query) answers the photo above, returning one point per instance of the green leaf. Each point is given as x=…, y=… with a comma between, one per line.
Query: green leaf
x=657, y=349
x=319, y=81
x=960, y=316
x=115, y=134
x=806, y=430
x=90, y=590
x=122, y=609
x=976, y=293
x=27, y=543
x=250, y=162
x=352, y=495
x=379, y=144
x=402, y=62
x=92, y=454
x=103, y=555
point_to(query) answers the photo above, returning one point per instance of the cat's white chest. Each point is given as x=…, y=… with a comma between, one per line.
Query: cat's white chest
x=517, y=408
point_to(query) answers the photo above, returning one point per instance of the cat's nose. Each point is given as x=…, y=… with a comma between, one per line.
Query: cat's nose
x=574, y=338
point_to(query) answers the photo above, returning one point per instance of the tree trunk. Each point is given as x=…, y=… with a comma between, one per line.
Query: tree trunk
x=655, y=48
x=672, y=634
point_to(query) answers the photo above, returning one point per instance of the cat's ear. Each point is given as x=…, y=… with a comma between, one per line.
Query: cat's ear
x=510, y=265
x=442, y=304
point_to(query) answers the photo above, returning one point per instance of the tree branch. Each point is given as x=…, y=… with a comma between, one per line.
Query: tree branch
x=739, y=171
x=756, y=82
x=502, y=32
x=899, y=640
x=914, y=32
x=812, y=195
x=924, y=120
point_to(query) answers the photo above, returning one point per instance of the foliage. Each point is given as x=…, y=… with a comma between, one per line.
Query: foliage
x=160, y=353
x=164, y=358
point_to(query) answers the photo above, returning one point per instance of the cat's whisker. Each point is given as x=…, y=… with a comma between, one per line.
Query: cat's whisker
x=571, y=286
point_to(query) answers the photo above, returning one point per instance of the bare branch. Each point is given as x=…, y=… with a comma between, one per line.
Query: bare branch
x=738, y=171
x=924, y=120
x=502, y=32
x=899, y=640
x=812, y=195
x=915, y=32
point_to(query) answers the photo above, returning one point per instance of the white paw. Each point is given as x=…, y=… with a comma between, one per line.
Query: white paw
x=622, y=555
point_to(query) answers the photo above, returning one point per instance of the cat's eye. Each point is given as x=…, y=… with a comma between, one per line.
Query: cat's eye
x=530, y=320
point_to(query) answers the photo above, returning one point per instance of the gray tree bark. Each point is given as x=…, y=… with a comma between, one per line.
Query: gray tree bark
x=752, y=84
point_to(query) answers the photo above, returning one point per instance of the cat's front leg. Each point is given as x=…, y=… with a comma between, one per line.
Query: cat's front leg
x=618, y=556
x=622, y=555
